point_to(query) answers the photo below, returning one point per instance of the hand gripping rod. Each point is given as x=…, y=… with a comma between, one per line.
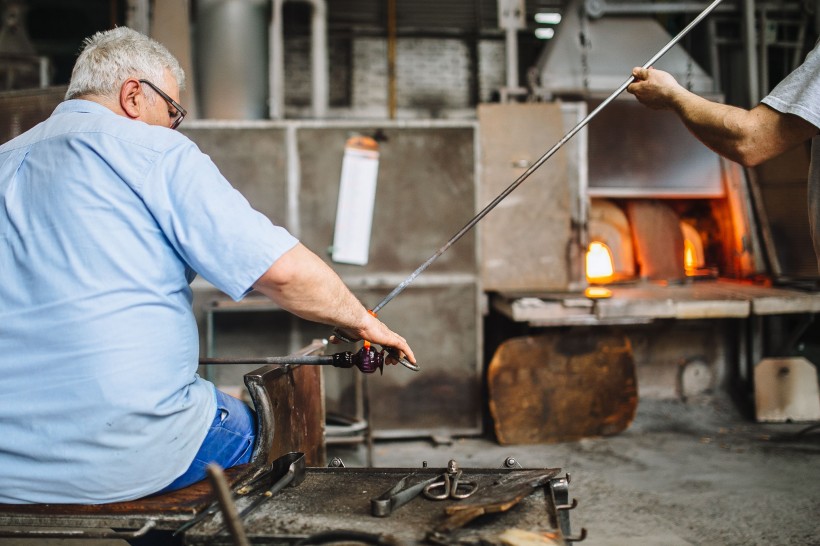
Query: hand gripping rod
x=400, y=288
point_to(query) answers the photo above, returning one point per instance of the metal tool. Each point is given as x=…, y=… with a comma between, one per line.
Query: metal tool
x=278, y=471
x=499, y=497
x=366, y=360
x=400, y=288
x=398, y=495
x=293, y=465
x=449, y=485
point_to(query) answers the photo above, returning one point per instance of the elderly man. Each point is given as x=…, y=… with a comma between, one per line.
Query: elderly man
x=787, y=117
x=106, y=215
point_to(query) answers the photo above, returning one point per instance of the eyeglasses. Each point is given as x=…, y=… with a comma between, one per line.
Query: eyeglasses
x=180, y=111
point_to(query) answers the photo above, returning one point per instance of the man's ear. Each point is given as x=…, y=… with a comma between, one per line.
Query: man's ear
x=131, y=98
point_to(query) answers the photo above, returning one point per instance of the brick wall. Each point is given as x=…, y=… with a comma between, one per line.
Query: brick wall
x=433, y=76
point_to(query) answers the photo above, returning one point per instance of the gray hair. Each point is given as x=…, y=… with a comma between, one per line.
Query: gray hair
x=110, y=57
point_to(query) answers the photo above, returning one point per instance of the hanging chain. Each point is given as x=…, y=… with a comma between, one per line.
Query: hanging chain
x=583, y=37
x=689, y=64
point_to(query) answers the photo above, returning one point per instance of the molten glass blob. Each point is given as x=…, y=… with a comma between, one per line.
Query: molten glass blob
x=368, y=359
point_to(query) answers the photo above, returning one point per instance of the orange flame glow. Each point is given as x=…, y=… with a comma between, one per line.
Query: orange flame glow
x=690, y=260
x=599, y=262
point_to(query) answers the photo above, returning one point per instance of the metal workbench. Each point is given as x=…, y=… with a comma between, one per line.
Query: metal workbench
x=338, y=500
x=327, y=502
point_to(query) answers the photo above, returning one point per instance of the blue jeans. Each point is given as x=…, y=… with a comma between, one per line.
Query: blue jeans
x=229, y=441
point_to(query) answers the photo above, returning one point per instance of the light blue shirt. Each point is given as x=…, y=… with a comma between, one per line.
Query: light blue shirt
x=103, y=223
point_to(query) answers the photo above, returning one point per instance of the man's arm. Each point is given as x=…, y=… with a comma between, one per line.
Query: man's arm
x=300, y=282
x=749, y=137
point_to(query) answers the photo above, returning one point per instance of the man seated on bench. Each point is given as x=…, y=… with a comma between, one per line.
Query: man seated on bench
x=106, y=216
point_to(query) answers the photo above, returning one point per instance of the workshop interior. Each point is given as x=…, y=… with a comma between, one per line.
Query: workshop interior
x=558, y=255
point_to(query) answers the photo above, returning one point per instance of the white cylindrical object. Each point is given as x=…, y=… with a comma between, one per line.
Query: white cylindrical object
x=232, y=58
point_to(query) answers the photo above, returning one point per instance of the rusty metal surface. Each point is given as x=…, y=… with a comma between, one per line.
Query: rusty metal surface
x=339, y=499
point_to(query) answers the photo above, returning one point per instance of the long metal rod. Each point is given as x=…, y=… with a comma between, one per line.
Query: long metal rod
x=310, y=360
x=400, y=288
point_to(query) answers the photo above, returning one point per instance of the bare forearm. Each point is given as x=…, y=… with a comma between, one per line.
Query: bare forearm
x=727, y=130
x=746, y=136
x=303, y=284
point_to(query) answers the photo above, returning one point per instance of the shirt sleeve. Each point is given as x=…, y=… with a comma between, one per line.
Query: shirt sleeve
x=799, y=92
x=209, y=223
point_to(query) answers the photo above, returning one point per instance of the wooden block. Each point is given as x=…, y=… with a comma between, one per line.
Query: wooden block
x=557, y=387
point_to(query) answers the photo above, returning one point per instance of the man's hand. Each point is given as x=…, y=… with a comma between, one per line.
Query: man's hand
x=654, y=88
x=300, y=282
x=375, y=331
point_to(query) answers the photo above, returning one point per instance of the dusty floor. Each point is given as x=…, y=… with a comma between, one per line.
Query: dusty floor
x=682, y=474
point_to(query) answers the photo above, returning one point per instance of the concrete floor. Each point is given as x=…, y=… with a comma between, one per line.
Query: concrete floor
x=694, y=473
